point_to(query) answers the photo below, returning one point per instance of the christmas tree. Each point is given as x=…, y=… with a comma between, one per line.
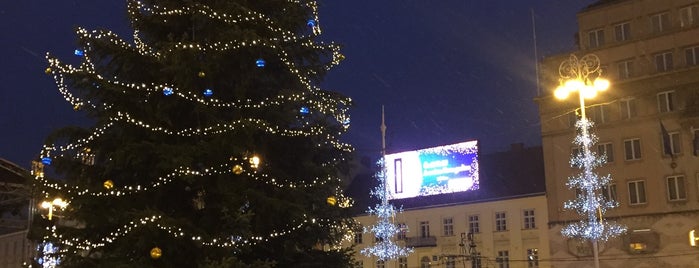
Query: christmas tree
x=212, y=143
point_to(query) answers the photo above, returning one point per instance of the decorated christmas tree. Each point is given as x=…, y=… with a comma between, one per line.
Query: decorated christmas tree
x=212, y=143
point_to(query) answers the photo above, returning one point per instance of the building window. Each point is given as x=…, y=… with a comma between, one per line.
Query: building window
x=675, y=188
x=625, y=69
x=380, y=264
x=691, y=56
x=663, y=62
x=637, y=192
x=358, y=236
x=402, y=231
x=448, y=226
x=476, y=261
x=503, y=259
x=596, y=38
x=403, y=262
x=688, y=16
x=627, y=107
x=425, y=262
x=473, y=226
x=500, y=221
x=671, y=143
x=609, y=192
x=666, y=101
x=660, y=22
x=598, y=113
x=424, y=229
x=632, y=149
x=529, y=219
x=622, y=31
x=606, y=149
x=532, y=257
x=451, y=262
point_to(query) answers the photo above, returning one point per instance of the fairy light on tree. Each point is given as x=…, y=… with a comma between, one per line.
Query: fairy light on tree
x=385, y=230
x=213, y=144
x=584, y=77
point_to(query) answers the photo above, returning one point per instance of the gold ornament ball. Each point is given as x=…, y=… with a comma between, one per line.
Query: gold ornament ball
x=108, y=184
x=48, y=70
x=237, y=169
x=201, y=74
x=76, y=107
x=331, y=200
x=156, y=253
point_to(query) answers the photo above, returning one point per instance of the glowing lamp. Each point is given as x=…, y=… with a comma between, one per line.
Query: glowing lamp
x=693, y=238
x=573, y=85
x=58, y=202
x=331, y=200
x=260, y=63
x=304, y=110
x=601, y=84
x=79, y=52
x=167, y=91
x=208, y=92
x=156, y=253
x=561, y=93
x=46, y=160
x=255, y=161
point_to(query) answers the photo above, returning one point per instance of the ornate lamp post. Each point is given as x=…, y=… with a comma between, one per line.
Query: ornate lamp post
x=58, y=202
x=584, y=77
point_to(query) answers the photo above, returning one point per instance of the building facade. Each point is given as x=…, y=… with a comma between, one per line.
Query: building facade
x=502, y=224
x=15, y=248
x=647, y=124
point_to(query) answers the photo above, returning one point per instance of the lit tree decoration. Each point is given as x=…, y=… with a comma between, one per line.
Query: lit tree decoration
x=177, y=156
x=576, y=76
x=385, y=230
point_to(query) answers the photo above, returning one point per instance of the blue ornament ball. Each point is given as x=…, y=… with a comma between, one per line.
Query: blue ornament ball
x=79, y=52
x=208, y=92
x=311, y=23
x=46, y=160
x=260, y=63
x=304, y=110
x=167, y=91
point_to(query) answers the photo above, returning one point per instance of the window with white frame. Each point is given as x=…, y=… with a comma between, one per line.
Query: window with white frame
x=691, y=56
x=627, y=108
x=424, y=229
x=622, y=31
x=473, y=224
x=380, y=264
x=607, y=150
x=532, y=257
x=632, y=149
x=675, y=188
x=671, y=143
x=688, y=15
x=663, y=61
x=503, y=259
x=476, y=261
x=598, y=113
x=609, y=192
x=448, y=226
x=596, y=38
x=637, y=192
x=500, y=221
x=666, y=101
x=403, y=262
x=660, y=22
x=425, y=262
x=625, y=69
x=529, y=219
x=402, y=231
x=358, y=236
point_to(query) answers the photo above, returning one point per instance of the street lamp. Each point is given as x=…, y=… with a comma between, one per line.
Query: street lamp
x=584, y=77
x=58, y=202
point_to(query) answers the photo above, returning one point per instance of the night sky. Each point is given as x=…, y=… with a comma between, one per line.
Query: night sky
x=447, y=71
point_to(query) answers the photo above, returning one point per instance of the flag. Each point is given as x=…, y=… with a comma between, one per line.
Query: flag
x=667, y=148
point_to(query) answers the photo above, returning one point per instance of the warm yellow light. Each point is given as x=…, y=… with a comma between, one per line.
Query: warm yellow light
x=59, y=202
x=331, y=200
x=588, y=92
x=45, y=204
x=601, y=84
x=573, y=85
x=255, y=161
x=692, y=239
x=561, y=93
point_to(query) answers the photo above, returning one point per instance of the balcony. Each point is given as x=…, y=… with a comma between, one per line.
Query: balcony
x=417, y=242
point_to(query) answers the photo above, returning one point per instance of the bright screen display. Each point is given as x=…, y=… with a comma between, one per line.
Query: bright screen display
x=439, y=170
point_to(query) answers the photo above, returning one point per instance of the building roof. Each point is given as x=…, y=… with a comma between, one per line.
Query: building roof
x=12, y=173
x=515, y=173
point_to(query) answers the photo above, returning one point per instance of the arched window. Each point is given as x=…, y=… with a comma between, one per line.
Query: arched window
x=425, y=262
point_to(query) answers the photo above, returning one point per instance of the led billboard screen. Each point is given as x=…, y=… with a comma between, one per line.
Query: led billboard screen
x=439, y=170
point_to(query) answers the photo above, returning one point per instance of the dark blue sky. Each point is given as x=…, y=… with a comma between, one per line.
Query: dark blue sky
x=446, y=70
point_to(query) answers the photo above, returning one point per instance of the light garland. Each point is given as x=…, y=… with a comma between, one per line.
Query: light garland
x=384, y=229
x=590, y=202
